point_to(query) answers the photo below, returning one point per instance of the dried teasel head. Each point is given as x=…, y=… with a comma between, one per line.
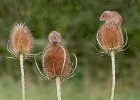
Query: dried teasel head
x=109, y=35
x=20, y=40
x=56, y=59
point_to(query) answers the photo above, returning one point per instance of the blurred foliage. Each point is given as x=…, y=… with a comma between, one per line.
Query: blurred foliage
x=70, y=91
x=78, y=22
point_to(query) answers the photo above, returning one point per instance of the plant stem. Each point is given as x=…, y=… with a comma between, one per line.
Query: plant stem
x=22, y=76
x=113, y=73
x=58, y=87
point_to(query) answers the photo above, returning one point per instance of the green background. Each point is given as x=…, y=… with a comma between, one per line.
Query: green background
x=78, y=23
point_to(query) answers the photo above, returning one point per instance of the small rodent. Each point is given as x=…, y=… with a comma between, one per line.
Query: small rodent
x=54, y=37
x=111, y=17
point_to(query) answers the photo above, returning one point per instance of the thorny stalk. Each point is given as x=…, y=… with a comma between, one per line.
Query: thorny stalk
x=113, y=73
x=22, y=76
x=58, y=87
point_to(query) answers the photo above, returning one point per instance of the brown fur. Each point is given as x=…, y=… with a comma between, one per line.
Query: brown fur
x=111, y=17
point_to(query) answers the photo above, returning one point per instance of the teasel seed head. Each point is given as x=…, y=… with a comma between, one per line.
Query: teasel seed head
x=109, y=35
x=20, y=40
x=56, y=59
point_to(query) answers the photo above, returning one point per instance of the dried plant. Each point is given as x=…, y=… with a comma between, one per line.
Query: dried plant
x=56, y=62
x=20, y=45
x=110, y=38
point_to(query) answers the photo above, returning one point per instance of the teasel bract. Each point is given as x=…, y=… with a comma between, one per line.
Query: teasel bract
x=20, y=45
x=110, y=38
x=56, y=61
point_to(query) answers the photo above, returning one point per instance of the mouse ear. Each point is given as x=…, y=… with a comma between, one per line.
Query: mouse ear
x=107, y=12
x=118, y=20
x=115, y=12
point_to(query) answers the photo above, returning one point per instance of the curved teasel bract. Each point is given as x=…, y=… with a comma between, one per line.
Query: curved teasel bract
x=56, y=61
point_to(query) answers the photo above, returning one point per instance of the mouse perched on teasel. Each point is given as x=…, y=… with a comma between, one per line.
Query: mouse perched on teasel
x=56, y=61
x=110, y=38
x=109, y=35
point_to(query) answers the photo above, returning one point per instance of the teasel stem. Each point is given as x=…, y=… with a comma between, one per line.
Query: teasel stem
x=113, y=74
x=22, y=76
x=58, y=87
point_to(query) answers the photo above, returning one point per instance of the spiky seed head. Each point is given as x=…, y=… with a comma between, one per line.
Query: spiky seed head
x=56, y=59
x=56, y=62
x=54, y=37
x=111, y=16
x=20, y=40
x=110, y=37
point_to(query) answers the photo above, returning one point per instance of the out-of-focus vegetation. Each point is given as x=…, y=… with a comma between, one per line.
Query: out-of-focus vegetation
x=78, y=22
x=71, y=90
